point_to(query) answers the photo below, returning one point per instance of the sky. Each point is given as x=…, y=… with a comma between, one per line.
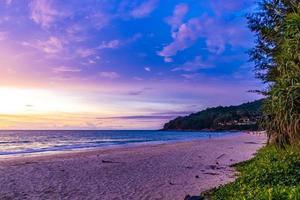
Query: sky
x=121, y=64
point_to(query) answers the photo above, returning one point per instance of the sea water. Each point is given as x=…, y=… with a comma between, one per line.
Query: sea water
x=34, y=142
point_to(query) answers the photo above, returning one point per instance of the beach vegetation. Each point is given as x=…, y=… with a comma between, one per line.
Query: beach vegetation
x=274, y=174
x=277, y=62
x=240, y=117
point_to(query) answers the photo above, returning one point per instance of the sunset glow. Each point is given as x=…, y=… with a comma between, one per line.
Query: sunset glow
x=95, y=65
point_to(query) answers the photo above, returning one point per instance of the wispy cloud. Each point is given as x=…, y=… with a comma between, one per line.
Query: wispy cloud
x=168, y=59
x=215, y=44
x=219, y=33
x=183, y=38
x=112, y=44
x=136, y=93
x=215, y=30
x=163, y=115
x=134, y=117
x=191, y=76
x=100, y=19
x=42, y=12
x=178, y=14
x=109, y=75
x=137, y=78
x=148, y=69
x=219, y=7
x=193, y=65
x=139, y=92
x=50, y=46
x=64, y=69
x=144, y=9
x=85, y=52
x=188, y=52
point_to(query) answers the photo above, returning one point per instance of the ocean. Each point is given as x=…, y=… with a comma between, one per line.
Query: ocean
x=36, y=142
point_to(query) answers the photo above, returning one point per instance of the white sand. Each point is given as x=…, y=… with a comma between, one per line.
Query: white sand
x=164, y=171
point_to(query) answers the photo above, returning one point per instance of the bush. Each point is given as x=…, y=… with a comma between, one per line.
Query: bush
x=272, y=174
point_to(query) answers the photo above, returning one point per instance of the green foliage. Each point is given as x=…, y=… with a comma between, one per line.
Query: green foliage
x=274, y=174
x=220, y=118
x=277, y=58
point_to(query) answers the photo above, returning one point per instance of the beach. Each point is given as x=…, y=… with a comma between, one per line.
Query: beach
x=155, y=171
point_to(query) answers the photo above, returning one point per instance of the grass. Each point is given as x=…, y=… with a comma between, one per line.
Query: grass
x=274, y=174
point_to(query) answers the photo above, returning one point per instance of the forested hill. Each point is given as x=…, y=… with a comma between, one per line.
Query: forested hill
x=241, y=117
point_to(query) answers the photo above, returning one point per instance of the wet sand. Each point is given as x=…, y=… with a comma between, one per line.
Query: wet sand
x=162, y=171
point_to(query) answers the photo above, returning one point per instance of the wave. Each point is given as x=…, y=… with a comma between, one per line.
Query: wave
x=30, y=142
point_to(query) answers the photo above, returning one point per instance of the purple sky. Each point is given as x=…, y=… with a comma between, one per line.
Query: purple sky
x=120, y=64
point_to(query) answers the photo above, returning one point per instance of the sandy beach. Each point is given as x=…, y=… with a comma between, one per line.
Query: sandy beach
x=162, y=171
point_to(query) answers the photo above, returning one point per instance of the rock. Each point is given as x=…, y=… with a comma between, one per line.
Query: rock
x=189, y=197
x=212, y=166
x=211, y=173
x=221, y=156
x=108, y=161
x=171, y=183
x=250, y=143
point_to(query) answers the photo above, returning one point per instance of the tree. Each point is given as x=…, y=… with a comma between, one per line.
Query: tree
x=277, y=63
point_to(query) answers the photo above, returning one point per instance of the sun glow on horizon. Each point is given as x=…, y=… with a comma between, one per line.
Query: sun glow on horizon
x=95, y=65
x=29, y=108
x=16, y=101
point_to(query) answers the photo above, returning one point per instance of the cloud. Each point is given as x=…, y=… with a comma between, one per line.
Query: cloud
x=76, y=33
x=135, y=93
x=178, y=14
x=100, y=19
x=139, y=92
x=144, y=9
x=50, y=46
x=148, y=69
x=215, y=44
x=183, y=38
x=42, y=12
x=183, y=34
x=135, y=37
x=85, y=52
x=63, y=69
x=168, y=60
x=74, y=28
x=220, y=8
x=193, y=65
x=136, y=117
x=215, y=30
x=138, y=78
x=163, y=115
x=192, y=76
x=218, y=33
x=113, y=44
x=110, y=75
x=92, y=61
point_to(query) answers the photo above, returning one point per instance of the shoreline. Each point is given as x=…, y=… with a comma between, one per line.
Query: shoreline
x=112, y=146
x=150, y=171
